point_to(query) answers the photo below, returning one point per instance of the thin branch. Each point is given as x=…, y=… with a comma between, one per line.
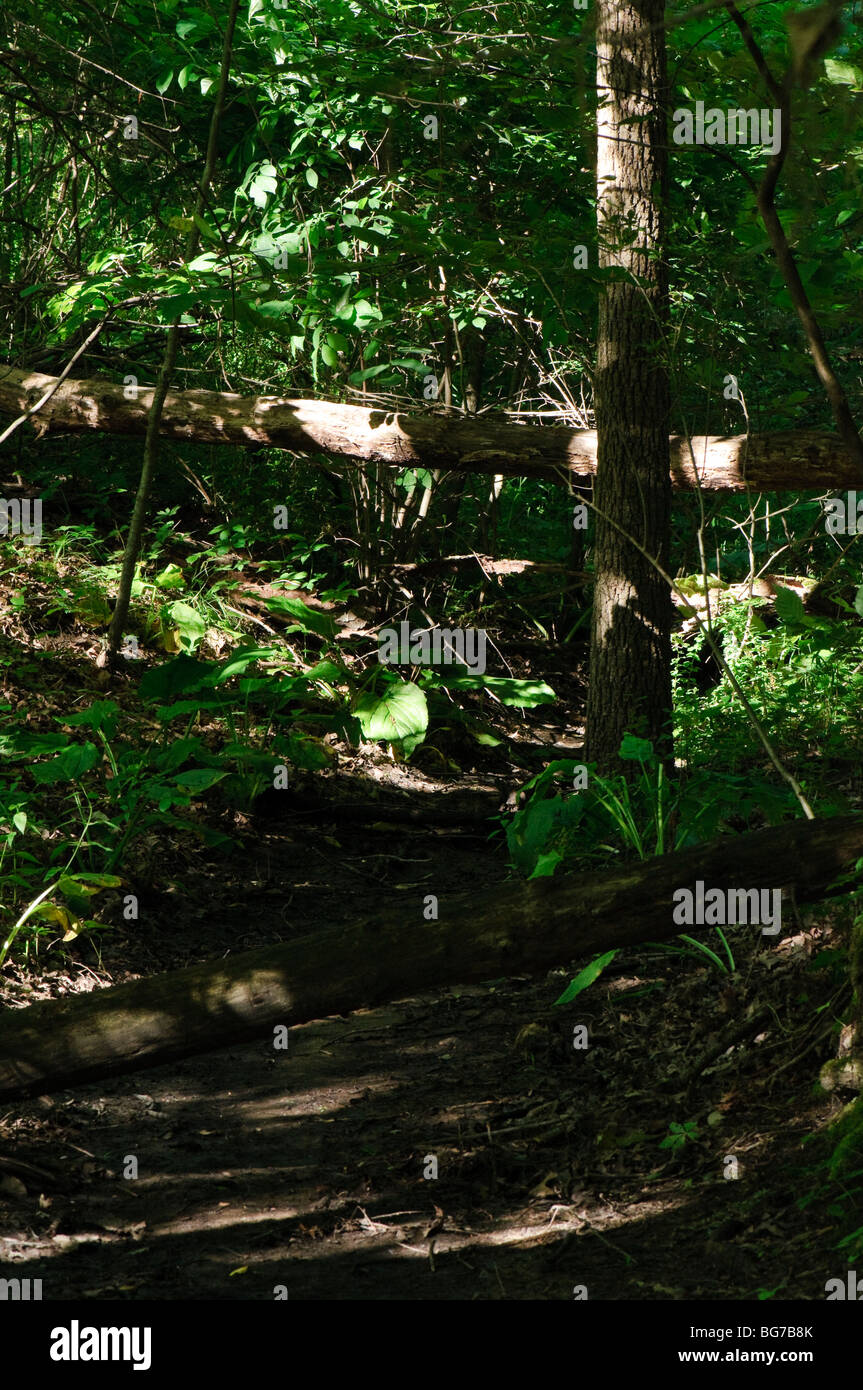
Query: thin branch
x=43, y=400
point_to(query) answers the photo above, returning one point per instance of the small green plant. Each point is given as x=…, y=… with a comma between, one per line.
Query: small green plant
x=699, y=950
x=585, y=978
x=232, y=538
x=679, y=1135
x=73, y=892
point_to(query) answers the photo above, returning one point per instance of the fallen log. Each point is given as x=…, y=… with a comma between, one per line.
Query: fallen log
x=795, y=460
x=523, y=928
x=485, y=563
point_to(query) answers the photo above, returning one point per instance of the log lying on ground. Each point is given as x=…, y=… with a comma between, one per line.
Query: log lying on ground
x=794, y=460
x=392, y=794
x=486, y=564
x=519, y=929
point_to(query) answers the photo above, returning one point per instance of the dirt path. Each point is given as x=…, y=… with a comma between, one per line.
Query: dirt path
x=307, y=1170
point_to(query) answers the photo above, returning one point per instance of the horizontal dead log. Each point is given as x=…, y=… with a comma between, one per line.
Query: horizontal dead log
x=519, y=929
x=795, y=460
x=396, y=796
x=486, y=563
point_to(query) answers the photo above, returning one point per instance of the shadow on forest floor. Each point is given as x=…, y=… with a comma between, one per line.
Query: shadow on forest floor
x=305, y=1169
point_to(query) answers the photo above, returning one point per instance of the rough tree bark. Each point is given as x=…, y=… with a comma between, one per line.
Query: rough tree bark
x=630, y=652
x=520, y=929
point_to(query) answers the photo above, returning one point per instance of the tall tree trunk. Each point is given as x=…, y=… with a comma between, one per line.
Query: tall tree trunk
x=630, y=660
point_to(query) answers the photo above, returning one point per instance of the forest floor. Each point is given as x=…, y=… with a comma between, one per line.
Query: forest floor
x=310, y=1170
x=305, y=1169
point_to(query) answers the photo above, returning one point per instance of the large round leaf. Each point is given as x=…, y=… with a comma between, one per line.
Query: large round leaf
x=399, y=715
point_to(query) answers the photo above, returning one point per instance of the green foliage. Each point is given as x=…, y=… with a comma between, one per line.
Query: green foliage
x=650, y=815
x=74, y=892
x=345, y=253
x=586, y=977
x=399, y=714
x=679, y=1135
x=802, y=677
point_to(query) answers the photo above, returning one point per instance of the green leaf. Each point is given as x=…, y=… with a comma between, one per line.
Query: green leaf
x=789, y=606
x=530, y=831
x=98, y=881
x=307, y=619
x=190, y=624
x=368, y=374
x=102, y=714
x=413, y=477
x=311, y=178
x=205, y=228
x=524, y=694
x=365, y=313
x=639, y=750
x=277, y=308
x=184, y=673
x=171, y=577
x=409, y=364
x=399, y=713
x=483, y=734
x=71, y=764
x=843, y=74
x=546, y=864
x=199, y=779
x=20, y=744
x=586, y=977
x=240, y=662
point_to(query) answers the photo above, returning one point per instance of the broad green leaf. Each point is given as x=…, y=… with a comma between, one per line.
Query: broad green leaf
x=308, y=619
x=639, y=750
x=241, y=661
x=365, y=313
x=277, y=308
x=400, y=712
x=843, y=74
x=20, y=744
x=190, y=624
x=171, y=577
x=175, y=677
x=547, y=863
x=69, y=766
x=524, y=694
x=789, y=606
x=200, y=779
x=102, y=714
